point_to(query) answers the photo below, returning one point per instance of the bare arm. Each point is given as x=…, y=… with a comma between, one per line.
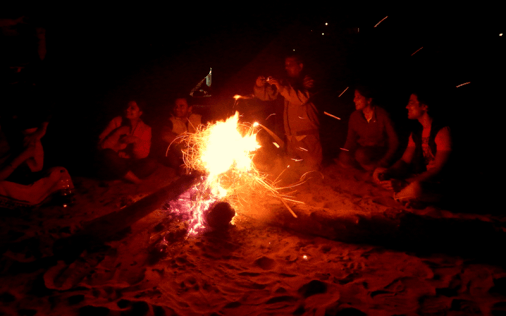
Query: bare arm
x=443, y=144
x=114, y=140
x=113, y=124
x=400, y=168
x=7, y=170
x=37, y=136
x=296, y=97
x=36, y=163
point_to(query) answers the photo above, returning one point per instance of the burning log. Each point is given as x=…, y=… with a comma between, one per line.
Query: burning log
x=219, y=217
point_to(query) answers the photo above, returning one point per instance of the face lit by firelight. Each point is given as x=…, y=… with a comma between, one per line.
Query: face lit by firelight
x=415, y=108
x=133, y=111
x=293, y=67
x=361, y=102
x=181, y=108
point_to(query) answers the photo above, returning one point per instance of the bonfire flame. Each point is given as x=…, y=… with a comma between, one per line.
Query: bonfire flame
x=224, y=152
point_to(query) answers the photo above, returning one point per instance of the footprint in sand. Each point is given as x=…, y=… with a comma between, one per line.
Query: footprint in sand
x=265, y=263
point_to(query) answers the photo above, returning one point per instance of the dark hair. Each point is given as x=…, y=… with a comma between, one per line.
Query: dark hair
x=181, y=97
x=141, y=104
x=365, y=91
x=434, y=97
x=28, y=122
x=298, y=58
x=423, y=97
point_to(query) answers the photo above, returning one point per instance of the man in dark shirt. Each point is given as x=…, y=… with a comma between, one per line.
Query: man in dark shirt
x=371, y=141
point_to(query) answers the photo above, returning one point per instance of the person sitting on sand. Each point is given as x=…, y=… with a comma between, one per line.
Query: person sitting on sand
x=124, y=147
x=420, y=173
x=182, y=121
x=371, y=141
x=23, y=181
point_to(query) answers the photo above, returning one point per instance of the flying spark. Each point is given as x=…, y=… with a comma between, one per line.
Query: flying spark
x=343, y=92
x=344, y=149
x=381, y=21
x=270, y=116
x=332, y=115
x=463, y=84
x=417, y=51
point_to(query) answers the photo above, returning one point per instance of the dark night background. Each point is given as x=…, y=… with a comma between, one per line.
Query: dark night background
x=98, y=57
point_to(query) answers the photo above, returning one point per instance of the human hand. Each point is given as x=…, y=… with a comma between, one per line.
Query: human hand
x=378, y=175
x=274, y=82
x=28, y=152
x=129, y=139
x=260, y=81
x=308, y=82
x=387, y=184
x=123, y=130
x=31, y=139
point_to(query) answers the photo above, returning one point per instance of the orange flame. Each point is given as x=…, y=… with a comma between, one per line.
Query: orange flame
x=223, y=151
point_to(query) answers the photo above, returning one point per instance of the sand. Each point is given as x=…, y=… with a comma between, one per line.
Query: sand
x=341, y=256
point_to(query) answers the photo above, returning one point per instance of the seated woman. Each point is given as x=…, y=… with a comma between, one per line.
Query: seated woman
x=23, y=182
x=124, y=147
x=371, y=141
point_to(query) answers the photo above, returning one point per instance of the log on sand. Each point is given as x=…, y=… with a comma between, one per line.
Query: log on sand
x=399, y=229
x=77, y=256
x=103, y=228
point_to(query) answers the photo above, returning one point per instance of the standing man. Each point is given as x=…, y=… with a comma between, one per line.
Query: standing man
x=300, y=116
x=420, y=174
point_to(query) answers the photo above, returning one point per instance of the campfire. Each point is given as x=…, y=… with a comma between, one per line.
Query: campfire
x=223, y=152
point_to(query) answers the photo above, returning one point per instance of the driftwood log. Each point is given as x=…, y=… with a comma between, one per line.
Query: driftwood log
x=99, y=230
x=399, y=229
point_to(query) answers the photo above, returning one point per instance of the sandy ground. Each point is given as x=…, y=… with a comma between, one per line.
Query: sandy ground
x=269, y=263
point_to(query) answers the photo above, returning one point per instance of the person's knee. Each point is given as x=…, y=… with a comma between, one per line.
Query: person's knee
x=346, y=159
x=145, y=167
x=362, y=156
